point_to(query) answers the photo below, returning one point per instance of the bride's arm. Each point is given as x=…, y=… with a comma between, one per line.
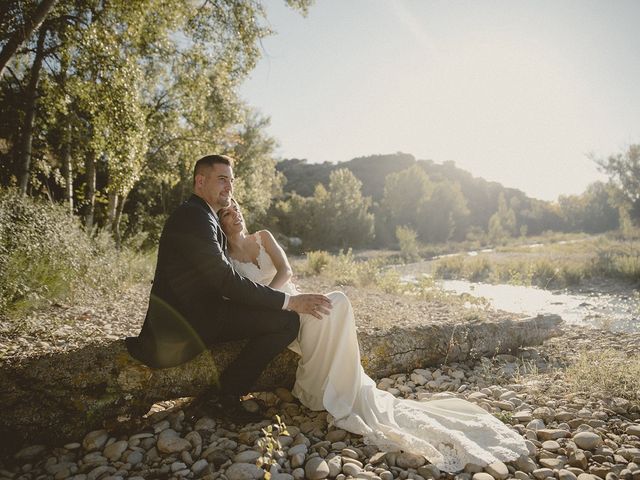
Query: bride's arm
x=279, y=259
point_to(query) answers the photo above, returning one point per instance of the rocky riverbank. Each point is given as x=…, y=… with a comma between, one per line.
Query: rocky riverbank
x=570, y=433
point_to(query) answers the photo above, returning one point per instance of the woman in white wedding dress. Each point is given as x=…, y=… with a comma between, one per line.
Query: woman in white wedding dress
x=449, y=432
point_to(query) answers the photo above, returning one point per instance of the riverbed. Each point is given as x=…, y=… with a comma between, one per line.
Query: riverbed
x=618, y=312
x=611, y=307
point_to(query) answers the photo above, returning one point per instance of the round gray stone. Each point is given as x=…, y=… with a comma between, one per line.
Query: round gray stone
x=169, y=441
x=566, y=475
x=95, y=440
x=351, y=469
x=497, y=470
x=482, y=476
x=316, y=469
x=244, y=471
x=248, y=456
x=410, y=460
x=30, y=453
x=587, y=440
x=114, y=451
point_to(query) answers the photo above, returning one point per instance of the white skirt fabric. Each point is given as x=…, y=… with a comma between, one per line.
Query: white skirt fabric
x=449, y=433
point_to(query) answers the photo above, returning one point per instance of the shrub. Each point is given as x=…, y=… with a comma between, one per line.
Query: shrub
x=449, y=267
x=42, y=251
x=407, y=240
x=543, y=273
x=572, y=274
x=343, y=269
x=317, y=260
x=389, y=281
x=478, y=269
x=620, y=261
x=45, y=256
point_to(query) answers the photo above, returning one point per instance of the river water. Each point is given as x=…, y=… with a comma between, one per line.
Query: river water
x=614, y=311
x=617, y=309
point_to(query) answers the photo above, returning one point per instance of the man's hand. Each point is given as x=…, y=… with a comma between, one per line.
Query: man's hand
x=311, y=303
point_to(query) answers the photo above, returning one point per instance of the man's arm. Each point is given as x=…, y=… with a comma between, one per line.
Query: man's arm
x=194, y=239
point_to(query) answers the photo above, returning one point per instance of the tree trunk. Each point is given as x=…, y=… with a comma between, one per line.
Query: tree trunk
x=31, y=98
x=67, y=167
x=111, y=211
x=90, y=190
x=116, y=225
x=22, y=34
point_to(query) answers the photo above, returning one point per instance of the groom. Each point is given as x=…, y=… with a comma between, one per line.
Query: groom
x=198, y=300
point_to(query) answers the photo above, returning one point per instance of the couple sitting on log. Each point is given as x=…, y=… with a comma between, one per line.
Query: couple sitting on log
x=215, y=282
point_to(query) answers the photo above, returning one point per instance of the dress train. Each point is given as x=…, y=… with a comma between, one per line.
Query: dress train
x=449, y=433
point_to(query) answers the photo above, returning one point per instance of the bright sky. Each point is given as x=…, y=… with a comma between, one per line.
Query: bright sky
x=513, y=91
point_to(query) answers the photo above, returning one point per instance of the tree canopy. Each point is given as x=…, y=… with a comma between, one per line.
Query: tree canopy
x=106, y=106
x=99, y=97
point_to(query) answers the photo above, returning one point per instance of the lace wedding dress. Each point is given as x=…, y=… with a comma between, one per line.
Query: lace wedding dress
x=449, y=432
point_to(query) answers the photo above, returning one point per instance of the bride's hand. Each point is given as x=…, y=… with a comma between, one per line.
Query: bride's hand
x=311, y=303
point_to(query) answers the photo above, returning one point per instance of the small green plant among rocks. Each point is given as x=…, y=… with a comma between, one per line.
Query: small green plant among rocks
x=270, y=445
x=504, y=416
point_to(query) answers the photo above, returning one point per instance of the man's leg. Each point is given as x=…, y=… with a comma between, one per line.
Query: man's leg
x=269, y=332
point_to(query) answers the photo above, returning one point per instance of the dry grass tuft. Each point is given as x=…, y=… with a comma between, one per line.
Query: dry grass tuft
x=606, y=372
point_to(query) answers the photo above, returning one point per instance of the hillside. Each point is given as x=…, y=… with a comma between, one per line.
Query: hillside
x=481, y=196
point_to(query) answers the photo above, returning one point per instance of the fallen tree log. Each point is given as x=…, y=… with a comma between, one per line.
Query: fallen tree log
x=58, y=397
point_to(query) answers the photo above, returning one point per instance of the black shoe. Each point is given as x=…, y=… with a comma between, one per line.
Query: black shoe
x=232, y=408
x=226, y=406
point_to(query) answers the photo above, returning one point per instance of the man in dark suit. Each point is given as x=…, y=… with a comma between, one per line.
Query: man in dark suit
x=198, y=300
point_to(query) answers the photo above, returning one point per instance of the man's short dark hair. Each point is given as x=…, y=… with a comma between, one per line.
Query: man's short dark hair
x=209, y=161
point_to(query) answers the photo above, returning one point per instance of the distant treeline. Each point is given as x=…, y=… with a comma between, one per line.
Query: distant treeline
x=363, y=201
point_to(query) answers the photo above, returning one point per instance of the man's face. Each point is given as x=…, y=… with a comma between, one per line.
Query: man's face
x=216, y=187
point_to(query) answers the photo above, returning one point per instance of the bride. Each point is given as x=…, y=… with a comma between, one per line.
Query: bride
x=448, y=432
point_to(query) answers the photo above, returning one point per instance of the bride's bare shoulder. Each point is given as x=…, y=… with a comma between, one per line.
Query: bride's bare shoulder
x=270, y=243
x=265, y=236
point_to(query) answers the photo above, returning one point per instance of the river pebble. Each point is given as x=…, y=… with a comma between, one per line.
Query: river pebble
x=587, y=440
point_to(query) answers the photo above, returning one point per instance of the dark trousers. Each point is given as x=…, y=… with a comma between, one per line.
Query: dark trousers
x=269, y=332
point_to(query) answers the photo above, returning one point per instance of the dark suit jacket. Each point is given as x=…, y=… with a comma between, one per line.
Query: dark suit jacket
x=192, y=283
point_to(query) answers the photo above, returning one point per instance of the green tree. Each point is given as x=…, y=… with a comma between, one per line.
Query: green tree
x=432, y=209
x=408, y=243
x=335, y=217
x=120, y=92
x=502, y=224
x=443, y=212
x=624, y=173
x=18, y=24
x=345, y=211
x=593, y=211
x=405, y=196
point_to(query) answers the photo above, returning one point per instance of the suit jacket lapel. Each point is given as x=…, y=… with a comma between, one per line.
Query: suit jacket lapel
x=222, y=239
x=220, y=236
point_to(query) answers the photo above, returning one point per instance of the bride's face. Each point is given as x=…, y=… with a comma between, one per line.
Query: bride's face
x=231, y=220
